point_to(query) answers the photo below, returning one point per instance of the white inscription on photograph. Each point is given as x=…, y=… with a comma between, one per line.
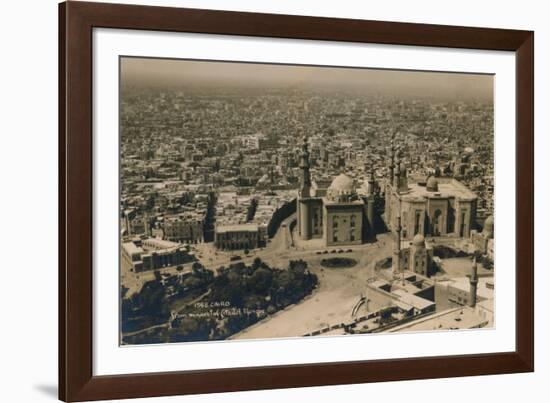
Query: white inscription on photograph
x=260, y=201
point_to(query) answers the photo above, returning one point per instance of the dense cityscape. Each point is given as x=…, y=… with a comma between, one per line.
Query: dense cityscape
x=227, y=195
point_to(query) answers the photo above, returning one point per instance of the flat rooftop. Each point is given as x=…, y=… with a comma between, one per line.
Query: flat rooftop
x=463, y=284
x=413, y=300
x=156, y=243
x=131, y=248
x=237, y=228
x=455, y=318
x=447, y=187
x=329, y=202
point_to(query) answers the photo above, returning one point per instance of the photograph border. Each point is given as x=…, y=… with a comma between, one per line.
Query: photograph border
x=76, y=23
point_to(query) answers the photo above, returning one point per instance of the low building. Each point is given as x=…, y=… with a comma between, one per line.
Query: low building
x=131, y=256
x=459, y=290
x=418, y=304
x=186, y=227
x=450, y=319
x=413, y=295
x=237, y=236
x=151, y=254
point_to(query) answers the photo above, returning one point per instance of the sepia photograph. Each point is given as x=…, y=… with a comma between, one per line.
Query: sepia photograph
x=262, y=201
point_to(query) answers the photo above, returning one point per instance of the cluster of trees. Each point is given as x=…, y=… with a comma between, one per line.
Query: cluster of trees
x=145, y=308
x=255, y=290
x=260, y=286
x=152, y=304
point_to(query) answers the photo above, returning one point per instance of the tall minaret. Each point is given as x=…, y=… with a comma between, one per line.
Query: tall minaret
x=370, y=202
x=305, y=180
x=392, y=151
x=389, y=185
x=396, y=259
x=472, y=296
x=304, y=194
x=403, y=185
x=396, y=174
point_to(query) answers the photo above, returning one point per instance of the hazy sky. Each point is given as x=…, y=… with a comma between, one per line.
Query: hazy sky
x=181, y=73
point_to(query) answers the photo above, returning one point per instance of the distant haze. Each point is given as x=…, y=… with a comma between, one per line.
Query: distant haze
x=149, y=72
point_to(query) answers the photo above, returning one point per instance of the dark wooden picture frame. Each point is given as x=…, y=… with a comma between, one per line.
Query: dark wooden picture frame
x=76, y=23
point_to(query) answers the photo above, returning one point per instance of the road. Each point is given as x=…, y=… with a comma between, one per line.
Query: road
x=333, y=301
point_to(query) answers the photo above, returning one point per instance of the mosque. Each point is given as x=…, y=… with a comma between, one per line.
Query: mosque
x=338, y=215
x=433, y=207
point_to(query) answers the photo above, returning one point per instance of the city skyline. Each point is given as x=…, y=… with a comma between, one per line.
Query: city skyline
x=180, y=73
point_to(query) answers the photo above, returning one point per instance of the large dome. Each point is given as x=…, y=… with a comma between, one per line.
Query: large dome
x=342, y=184
x=342, y=189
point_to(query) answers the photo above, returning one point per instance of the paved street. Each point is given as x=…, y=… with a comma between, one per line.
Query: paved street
x=338, y=291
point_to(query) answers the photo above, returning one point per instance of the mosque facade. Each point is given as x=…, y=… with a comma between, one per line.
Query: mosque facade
x=436, y=206
x=339, y=216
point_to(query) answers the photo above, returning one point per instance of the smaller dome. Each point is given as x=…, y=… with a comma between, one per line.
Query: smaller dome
x=489, y=226
x=418, y=240
x=432, y=184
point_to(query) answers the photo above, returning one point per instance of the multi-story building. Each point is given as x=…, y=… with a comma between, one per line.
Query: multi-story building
x=236, y=236
x=186, y=227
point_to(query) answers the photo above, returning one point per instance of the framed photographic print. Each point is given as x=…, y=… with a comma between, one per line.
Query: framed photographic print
x=252, y=201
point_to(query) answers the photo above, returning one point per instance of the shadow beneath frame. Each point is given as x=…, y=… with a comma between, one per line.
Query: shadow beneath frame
x=47, y=390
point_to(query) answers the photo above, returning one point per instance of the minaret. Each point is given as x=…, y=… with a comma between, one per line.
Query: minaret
x=147, y=224
x=271, y=175
x=388, y=185
x=396, y=174
x=403, y=182
x=473, y=284
x=392, y=151
x=304, y=194
x=396, y=259
x=305, y=180
x=370, y=203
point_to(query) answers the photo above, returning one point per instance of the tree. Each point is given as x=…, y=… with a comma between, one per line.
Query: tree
x=192, y=282
x=201, y=272
x=257, y=263
x=261, y=281
x=197, y=268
